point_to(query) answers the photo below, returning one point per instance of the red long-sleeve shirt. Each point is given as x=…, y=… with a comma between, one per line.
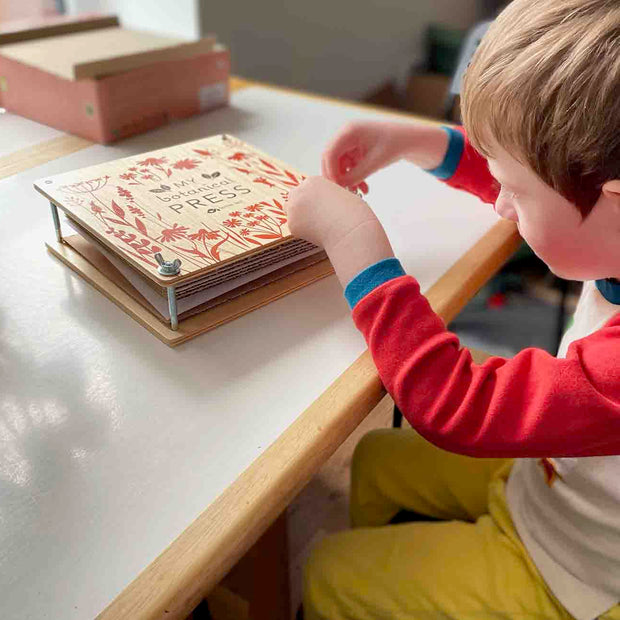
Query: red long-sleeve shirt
x=532, y=405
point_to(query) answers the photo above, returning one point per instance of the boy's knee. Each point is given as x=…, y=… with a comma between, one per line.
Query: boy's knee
x=318, y=564
x=367, y=451
x=322, y=577
x=373, y=451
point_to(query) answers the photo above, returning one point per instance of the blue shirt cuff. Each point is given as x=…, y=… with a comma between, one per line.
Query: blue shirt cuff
x=456, y=144
x=372, y=277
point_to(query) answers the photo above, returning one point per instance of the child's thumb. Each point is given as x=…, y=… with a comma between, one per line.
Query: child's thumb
x=352, y=168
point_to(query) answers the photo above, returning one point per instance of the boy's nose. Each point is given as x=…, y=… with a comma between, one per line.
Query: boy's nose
x=504, y=207
x=507, y=212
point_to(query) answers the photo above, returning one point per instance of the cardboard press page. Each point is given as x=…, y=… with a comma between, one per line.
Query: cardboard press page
x=209, y=203
x=200, y=295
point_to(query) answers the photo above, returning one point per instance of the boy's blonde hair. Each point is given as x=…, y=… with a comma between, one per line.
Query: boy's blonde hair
x=545, y=85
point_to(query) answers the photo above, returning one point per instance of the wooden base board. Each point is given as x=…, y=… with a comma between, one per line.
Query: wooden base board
x=199, y=323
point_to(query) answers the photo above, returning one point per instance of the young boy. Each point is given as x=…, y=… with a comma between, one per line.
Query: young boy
x=535, y=537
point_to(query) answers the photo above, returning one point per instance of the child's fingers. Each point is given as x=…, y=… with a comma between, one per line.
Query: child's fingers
x=349, y=171
x=349, y=159
x=346, y=162
x=339, y=158
x=327, y=168
x=345, y=140
x=361, y=187
x=334, y=169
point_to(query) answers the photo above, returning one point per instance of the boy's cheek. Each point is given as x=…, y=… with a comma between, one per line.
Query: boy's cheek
x=550, y=248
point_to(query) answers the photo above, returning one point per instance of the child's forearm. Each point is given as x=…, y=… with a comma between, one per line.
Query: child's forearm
x=364, y=245
x=423, y=145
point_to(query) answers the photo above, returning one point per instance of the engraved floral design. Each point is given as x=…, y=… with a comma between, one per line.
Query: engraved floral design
x=174, y=233
x=186, y=164
x=143, y=230
x=151, y=168
x=252, y=164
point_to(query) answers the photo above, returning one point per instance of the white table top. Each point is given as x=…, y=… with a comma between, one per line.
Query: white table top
x=18, y=133
x=111, y=443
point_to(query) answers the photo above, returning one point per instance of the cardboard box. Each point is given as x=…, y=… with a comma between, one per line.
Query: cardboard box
x=152, y=81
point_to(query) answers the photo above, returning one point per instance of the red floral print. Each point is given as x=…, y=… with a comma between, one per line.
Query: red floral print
x=125, y=193
x=186, y=164
x=152, y=161
x=144, y=231
x=174, y=233
x=204, y=235
x=264, y=181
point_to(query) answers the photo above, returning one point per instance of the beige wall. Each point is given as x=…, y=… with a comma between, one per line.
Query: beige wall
x=334, y=47
x=173, y=17
x=11, y=10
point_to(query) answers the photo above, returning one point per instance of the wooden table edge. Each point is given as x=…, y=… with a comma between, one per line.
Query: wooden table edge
x=175, y=582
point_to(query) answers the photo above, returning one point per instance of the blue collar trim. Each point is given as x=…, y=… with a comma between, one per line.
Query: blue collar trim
x=610, y=290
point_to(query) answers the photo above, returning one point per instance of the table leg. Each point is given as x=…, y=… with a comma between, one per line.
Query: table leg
x=261, y=577
x=271, y=598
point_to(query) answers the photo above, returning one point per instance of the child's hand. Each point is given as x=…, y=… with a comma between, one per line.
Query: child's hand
x=357, y=151
x=322, y=212
x=364, y=147
x=340, y=222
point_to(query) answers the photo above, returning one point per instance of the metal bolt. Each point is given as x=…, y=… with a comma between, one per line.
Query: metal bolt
x=167, y=267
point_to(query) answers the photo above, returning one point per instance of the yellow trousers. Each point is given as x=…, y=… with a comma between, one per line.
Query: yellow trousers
x=472, y=566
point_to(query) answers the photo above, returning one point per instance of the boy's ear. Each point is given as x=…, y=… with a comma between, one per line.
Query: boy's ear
x=612, y=188
x=611, y=191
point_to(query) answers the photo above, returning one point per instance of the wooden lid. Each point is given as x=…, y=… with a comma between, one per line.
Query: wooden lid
x=102, y=51
x=209, y=202
x=41, y=27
